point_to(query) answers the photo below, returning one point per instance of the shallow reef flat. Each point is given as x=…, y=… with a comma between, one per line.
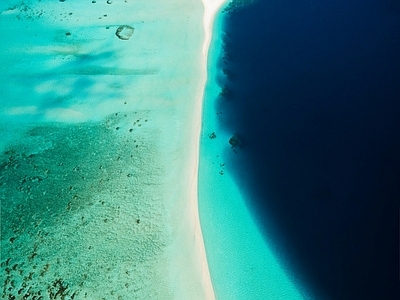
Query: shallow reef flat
x=82, y=214
x=99, y=118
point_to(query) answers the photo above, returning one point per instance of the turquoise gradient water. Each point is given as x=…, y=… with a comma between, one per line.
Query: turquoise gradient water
x=241, y=261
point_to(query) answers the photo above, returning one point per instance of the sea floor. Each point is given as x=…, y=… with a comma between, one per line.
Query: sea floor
x=97, y=108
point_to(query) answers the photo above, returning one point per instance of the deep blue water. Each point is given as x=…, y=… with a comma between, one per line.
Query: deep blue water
x=314, y=94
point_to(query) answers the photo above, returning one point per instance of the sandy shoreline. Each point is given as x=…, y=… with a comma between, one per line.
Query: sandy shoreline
x=211, y=8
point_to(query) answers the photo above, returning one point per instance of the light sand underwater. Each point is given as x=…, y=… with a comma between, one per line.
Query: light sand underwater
x=100, y=118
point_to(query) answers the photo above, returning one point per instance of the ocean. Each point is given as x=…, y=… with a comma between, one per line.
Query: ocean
x=308, y=113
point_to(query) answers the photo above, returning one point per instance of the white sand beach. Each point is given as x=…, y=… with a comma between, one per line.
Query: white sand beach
x=101, y=117
x=211, y=7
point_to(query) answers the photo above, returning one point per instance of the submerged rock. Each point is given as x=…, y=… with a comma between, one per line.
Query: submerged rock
x=124, y=32
x=235, y=141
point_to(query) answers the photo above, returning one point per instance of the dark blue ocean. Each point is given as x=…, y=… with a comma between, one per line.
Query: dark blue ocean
x=312, y=90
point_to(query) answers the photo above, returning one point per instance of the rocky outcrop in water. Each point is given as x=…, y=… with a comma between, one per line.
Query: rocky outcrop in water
x=235, y=141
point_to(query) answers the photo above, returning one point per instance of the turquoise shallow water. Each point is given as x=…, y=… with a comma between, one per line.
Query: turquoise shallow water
x=242, y=262
x=95, y=184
